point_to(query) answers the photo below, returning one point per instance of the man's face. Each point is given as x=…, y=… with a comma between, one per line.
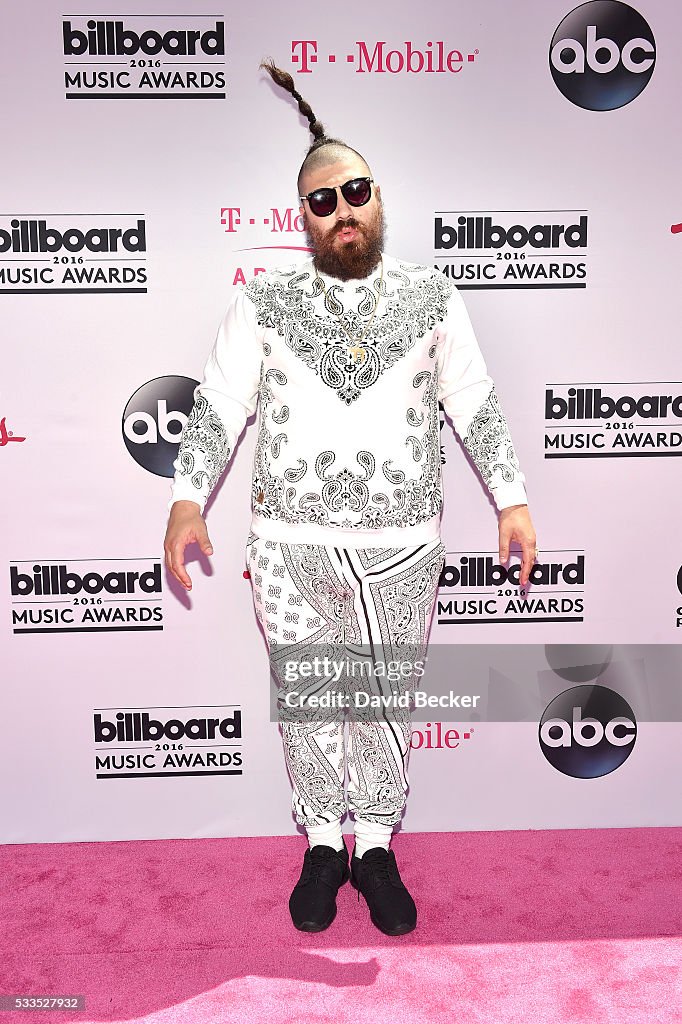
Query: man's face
x=349, y=242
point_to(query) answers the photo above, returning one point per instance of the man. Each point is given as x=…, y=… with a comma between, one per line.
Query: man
x=347, y=357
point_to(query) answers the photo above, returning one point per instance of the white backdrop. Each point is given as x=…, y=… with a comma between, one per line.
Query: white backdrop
x=191, y=159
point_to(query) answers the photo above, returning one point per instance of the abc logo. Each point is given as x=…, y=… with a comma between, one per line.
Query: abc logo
x=602, y=55
x=587, y=731
x=153, y=420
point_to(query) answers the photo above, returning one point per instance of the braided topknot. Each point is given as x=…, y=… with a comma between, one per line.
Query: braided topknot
x=323, y=149
x=284, y=80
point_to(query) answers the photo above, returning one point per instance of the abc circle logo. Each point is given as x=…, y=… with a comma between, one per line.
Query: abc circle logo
x=602, y=55
x=587, y=731
x=153, y=420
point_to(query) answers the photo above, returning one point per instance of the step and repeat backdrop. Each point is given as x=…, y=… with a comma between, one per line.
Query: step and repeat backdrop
x=528, y=152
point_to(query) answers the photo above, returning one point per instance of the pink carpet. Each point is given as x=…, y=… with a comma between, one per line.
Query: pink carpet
x=546, y=926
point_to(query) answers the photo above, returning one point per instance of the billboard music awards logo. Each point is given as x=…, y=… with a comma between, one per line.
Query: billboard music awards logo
x=587, y=731
x=613, y=420
x=73, y=253
x=602, y=55
x=475, y=587
x=380, y=57
x=85, y=595
x=144, y=56
x=512, y=249
x=153, y=419
x=140, y=743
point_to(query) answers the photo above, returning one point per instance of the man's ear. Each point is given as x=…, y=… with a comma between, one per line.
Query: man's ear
x=301, y=210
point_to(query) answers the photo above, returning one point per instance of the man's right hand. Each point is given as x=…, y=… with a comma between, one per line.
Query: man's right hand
x=185, y=525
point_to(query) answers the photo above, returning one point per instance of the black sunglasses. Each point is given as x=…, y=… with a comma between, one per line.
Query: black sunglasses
x=356, y=192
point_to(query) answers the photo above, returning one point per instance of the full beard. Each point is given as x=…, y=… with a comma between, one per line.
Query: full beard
x=356, y=259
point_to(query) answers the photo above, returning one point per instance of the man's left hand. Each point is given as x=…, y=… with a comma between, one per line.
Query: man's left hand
x=515, y=524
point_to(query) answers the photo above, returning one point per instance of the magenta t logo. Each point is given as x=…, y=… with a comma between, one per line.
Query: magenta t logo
x=306, y=56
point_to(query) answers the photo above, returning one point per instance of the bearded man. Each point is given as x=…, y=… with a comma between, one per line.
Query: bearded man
x=347, y=357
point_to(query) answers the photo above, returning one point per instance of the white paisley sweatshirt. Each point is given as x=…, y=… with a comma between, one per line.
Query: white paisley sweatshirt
x=348, y=445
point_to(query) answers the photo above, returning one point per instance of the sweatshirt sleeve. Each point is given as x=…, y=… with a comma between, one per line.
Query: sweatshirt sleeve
x=469, y=397
x=225, y=398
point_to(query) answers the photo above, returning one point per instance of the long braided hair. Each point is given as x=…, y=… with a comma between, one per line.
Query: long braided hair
x=320, y=138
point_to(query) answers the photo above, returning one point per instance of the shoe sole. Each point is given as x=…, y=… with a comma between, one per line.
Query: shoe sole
x=313, y=926
x=401, y=929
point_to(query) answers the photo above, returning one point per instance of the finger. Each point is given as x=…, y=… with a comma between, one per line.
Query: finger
x=505, y=537
x=179, y=565
x=169, y=562
x=205, y=543
x=527, y=561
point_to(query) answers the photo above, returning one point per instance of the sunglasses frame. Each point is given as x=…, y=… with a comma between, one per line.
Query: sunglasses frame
x=333, y=188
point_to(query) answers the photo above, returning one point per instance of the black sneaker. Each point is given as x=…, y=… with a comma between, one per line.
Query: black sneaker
x=312, y=903
x=376, y=876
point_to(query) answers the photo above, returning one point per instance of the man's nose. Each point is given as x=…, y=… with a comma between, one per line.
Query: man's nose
x=343, y=210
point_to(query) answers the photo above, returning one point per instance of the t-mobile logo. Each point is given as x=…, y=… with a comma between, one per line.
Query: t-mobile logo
x=433, y=57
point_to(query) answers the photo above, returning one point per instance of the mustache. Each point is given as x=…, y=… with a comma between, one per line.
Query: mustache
x=350, y=223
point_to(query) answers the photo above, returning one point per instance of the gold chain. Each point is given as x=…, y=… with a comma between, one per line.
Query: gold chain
x=355, y=348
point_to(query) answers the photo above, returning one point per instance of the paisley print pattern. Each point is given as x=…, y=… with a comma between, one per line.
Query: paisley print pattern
x=316, y=601
x=204, y=450
x=369, y=455
x=349, y=496
x=489, y=441
x=411, y=302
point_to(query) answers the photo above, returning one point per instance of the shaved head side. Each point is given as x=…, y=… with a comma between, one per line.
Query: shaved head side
x=323, y=150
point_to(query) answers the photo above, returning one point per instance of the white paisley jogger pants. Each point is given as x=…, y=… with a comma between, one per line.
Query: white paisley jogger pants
x=327, y=598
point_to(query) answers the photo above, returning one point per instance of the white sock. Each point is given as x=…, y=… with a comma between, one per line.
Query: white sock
x=369, y=834
x=328, y=834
